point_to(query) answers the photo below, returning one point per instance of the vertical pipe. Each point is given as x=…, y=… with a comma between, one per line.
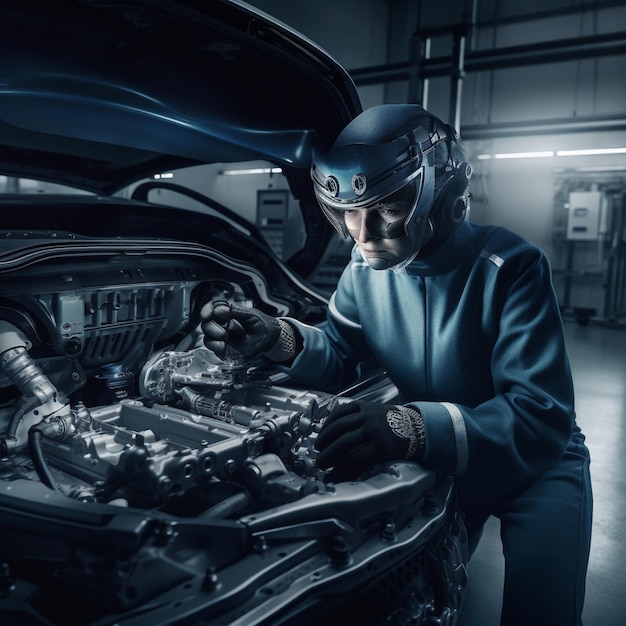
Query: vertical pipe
x=418, y=87
x=456, y=80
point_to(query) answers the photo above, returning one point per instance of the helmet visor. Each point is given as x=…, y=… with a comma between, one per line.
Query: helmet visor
x=386, y=217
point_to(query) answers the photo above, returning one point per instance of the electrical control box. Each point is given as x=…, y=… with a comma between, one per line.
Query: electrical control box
x=272, y=210
x=586, y=220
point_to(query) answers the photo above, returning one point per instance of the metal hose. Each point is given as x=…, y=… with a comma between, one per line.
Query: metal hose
x=27, y=376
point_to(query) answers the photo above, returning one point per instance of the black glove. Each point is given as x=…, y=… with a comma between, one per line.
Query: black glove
x=247, y=330
x=357, y=435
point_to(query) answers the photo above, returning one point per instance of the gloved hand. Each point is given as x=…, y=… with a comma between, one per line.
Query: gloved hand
x=357, y=435
x=247, y=330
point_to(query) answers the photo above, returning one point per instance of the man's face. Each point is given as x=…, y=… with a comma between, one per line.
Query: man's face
x=380, y=230
x=380, y=234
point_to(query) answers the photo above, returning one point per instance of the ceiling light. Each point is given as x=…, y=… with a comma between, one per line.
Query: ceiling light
x=256, y=170
x=550, y=153
x=602, y=168
x=523, y=155
x=590, y=152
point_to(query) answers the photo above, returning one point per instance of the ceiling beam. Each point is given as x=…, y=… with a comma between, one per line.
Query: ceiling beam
x=587, y=124
x=612, y=44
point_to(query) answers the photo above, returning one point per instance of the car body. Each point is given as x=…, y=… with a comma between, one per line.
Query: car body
x=145, y=479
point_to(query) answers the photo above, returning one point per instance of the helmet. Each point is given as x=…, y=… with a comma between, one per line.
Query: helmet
x=400, y=156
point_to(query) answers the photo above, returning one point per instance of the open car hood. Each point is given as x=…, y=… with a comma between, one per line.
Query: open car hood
x=96, y=95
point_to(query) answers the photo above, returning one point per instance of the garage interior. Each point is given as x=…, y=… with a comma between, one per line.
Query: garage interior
x=538, y=94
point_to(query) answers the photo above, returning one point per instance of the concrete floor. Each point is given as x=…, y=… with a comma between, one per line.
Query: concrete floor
x=598, y=358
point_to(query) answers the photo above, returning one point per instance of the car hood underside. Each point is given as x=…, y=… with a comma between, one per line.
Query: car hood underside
x=99, y=94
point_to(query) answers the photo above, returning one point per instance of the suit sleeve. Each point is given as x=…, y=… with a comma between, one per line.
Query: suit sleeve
x=334, y=350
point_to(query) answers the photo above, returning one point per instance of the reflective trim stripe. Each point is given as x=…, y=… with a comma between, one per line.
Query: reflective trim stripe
x=494, y=258
x=332, y=307
x=460, y=437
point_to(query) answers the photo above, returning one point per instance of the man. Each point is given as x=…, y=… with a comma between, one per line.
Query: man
x=465, y=321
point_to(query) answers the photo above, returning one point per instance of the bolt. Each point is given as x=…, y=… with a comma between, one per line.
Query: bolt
x=164, y=534
x=211, y=581
x=260, y=544
x=389, y=532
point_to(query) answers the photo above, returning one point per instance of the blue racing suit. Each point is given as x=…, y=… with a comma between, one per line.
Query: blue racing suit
x=472, y=336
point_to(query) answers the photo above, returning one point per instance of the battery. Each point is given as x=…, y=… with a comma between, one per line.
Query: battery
x=114, y=383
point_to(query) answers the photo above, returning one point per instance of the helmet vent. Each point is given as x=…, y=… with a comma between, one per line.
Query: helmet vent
x=331, y=184
x=359, y=184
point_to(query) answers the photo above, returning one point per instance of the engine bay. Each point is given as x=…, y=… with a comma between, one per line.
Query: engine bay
x=155, y=479
x=98, y=410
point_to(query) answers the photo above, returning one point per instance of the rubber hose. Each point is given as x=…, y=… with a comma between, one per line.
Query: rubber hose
x=35, y=436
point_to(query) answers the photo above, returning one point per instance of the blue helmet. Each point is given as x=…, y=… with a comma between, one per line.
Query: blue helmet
x=391, y=154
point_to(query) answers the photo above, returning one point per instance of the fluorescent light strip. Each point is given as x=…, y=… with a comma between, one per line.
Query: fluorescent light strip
x=550, y=153
x=591, y=152
x=163, y=175
x=523, y=155
x=257, y=170
x=602, y=168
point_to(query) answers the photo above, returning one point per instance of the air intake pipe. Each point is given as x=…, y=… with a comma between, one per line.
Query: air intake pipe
x=39, y=397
